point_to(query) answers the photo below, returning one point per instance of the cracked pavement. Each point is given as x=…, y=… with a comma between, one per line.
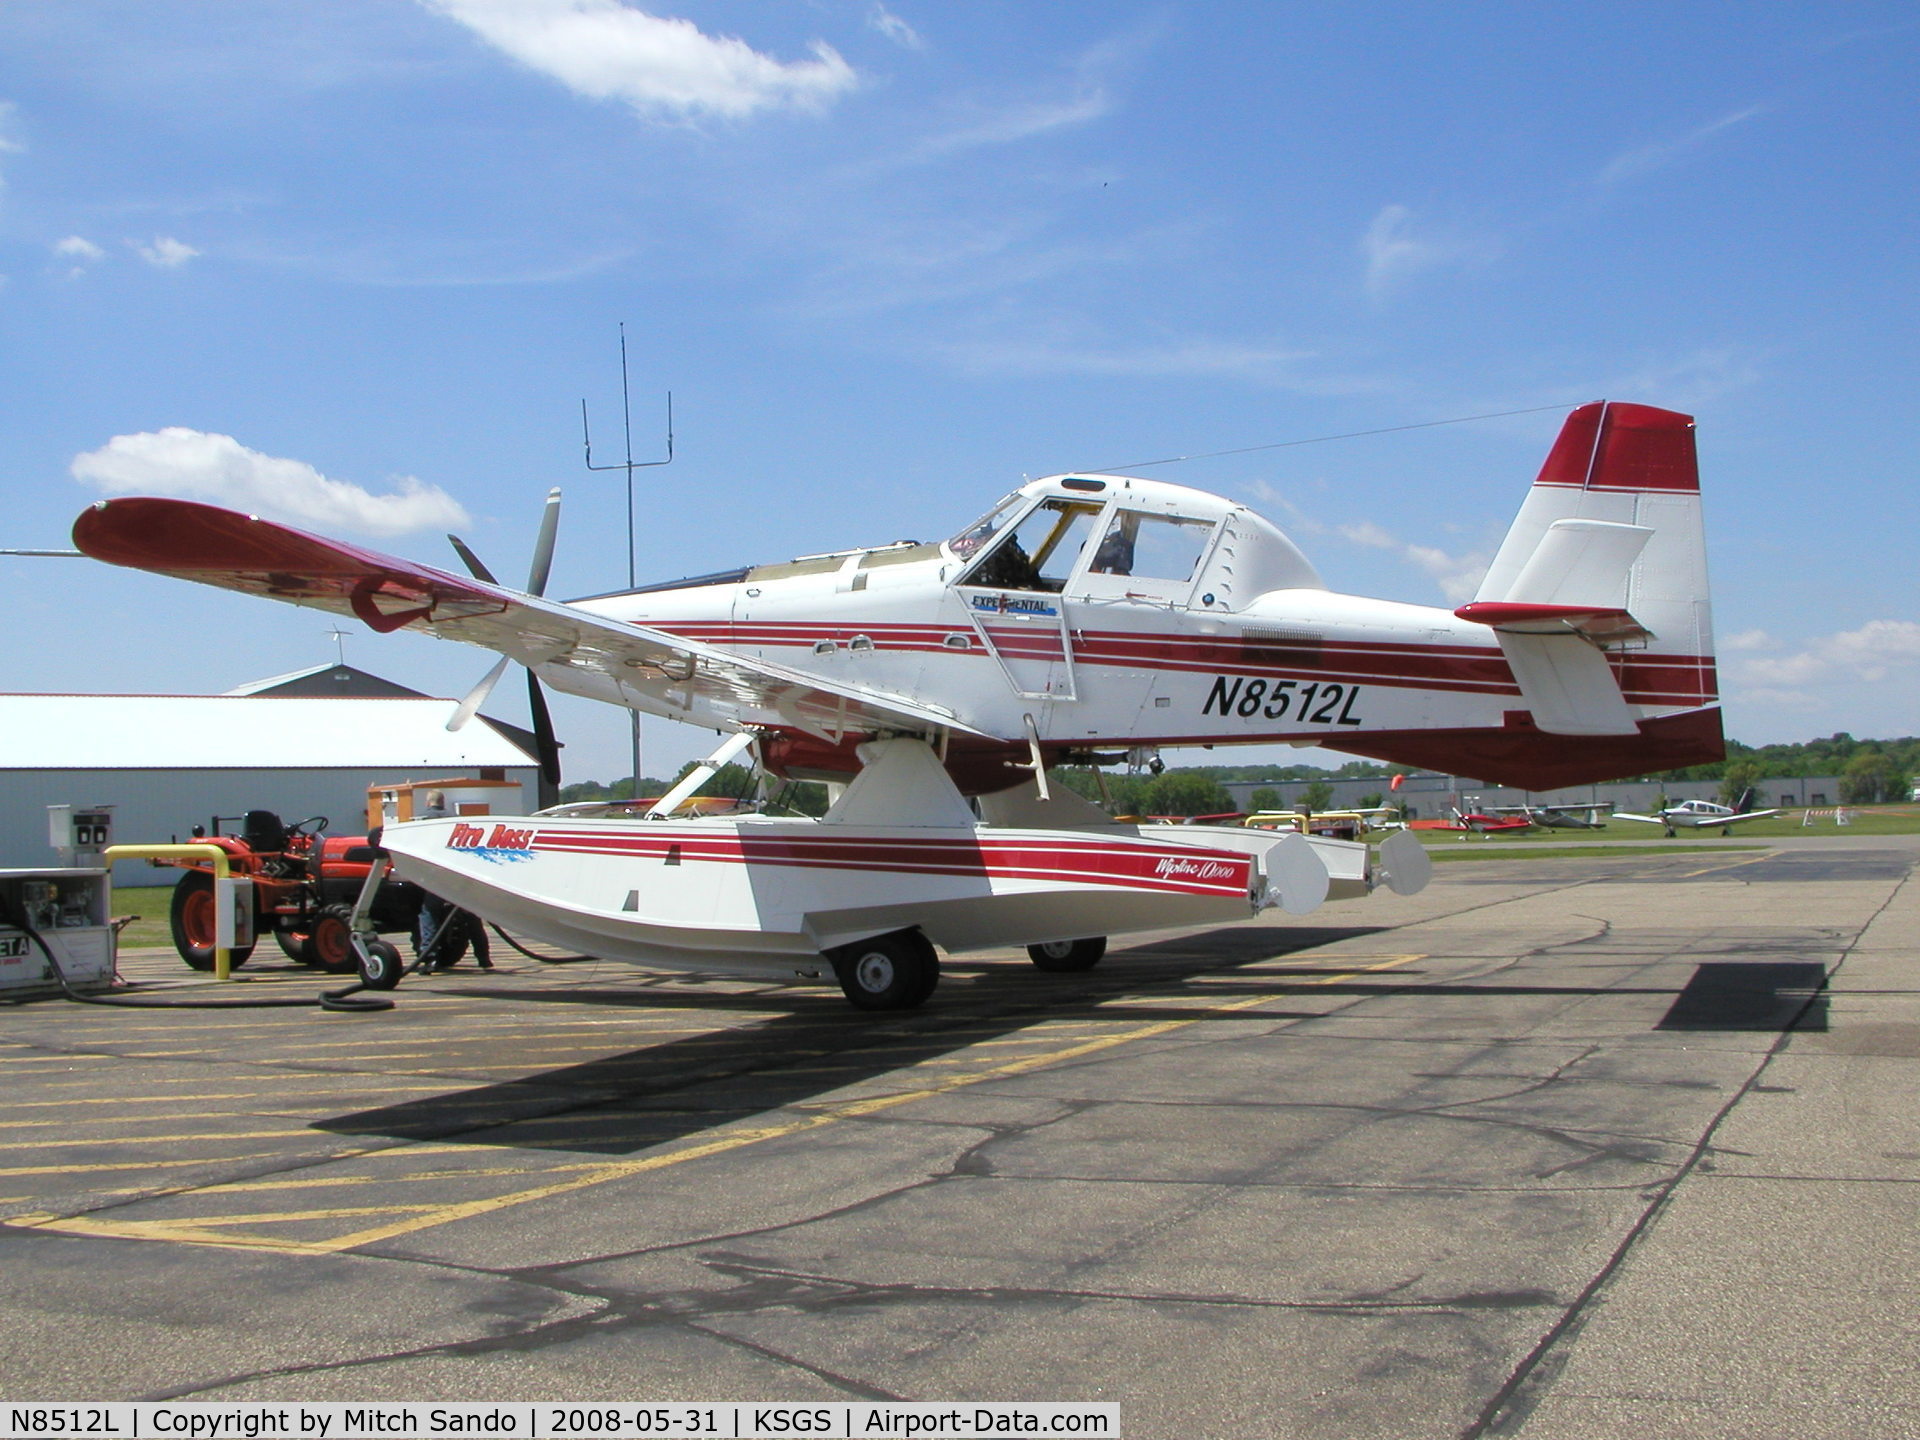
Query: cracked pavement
x=1555, y=1148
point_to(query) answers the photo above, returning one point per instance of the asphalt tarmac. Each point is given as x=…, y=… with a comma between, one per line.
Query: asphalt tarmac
x=1624, y=1146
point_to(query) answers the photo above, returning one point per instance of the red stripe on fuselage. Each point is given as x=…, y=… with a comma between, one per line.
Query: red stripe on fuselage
x=1646, y=679
x=1196, y=872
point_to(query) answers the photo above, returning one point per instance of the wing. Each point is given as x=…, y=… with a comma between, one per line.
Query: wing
x=1743, y=816
x=1650, y=819
x=191, y=541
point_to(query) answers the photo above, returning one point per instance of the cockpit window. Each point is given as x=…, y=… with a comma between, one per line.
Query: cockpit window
x=1040, y=553
x=971, y=539
x=1157, y=547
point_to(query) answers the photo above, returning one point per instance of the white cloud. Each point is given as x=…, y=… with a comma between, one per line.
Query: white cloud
x=1395, y=251
x=165, y=253
x=1458, y=576
x=1218, y=358
x=217, y=468
x=1872, y=653
x=1016, y=122
x=1692, y=380
x=78, y=247
x=894, y=28
x=604, y=50
x=1747, y=640
x=1645, y=159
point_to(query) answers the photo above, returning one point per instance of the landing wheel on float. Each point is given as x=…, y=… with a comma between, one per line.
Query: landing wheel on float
x=381, y=966
x=192, y=915
x=1064, y=956
x=889, y=972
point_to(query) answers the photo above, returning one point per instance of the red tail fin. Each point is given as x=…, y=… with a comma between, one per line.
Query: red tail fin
x=1617, y=446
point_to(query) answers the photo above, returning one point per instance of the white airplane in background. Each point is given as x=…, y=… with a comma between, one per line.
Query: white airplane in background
x=1083, y=619
x=1701, y=815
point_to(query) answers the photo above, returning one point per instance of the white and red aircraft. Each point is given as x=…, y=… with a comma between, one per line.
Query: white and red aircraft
x=1701, y=815
x=1083, y=614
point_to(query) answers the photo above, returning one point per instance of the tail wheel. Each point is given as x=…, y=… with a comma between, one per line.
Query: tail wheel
x=1064, y=956
x=381, y=967
x=332, y=940
x=891, y=972
x=192, y=915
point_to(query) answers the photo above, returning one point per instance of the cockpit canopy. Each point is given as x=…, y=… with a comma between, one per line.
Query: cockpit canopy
x=1111, y=536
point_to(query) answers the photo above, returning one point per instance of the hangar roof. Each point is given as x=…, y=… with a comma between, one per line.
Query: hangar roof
x=222, y=732
x=338, y=679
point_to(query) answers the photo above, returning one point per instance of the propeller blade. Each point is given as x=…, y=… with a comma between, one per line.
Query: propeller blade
x=543, y=546
x=477, y=696
x=473, y=563
x=547, y=746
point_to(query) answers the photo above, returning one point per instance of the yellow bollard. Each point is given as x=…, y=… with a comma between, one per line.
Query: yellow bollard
x=222, y=887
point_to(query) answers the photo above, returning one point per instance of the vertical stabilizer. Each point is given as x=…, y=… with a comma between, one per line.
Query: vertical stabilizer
x=1608, y=543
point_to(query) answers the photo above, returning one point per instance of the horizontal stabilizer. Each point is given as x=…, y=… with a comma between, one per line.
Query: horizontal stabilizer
x=1576, y=578
x=1581, y=562
x=1516, y=618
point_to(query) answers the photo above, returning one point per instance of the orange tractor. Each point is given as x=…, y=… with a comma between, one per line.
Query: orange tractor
x=305, y=888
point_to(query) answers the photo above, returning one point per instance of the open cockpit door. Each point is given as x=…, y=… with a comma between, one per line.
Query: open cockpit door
x=1012, y=591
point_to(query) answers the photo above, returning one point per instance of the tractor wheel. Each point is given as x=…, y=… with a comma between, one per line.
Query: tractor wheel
x=443, y=929
x=192, y=916
x=297, y=945
x=1063, y=956
x=332, y=940
x=382, y=967
x=890, y=972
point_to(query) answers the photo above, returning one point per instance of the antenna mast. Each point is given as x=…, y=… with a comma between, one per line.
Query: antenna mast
x=629, y=465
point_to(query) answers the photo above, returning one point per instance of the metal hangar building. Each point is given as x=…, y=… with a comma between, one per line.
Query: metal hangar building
x=309, y=743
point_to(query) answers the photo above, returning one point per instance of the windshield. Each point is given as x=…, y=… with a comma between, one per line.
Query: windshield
x=1041, y=552
x=984, y=529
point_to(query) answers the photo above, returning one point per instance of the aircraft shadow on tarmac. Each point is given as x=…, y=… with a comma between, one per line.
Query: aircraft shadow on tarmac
x=811, y=1042
x=1751, y=995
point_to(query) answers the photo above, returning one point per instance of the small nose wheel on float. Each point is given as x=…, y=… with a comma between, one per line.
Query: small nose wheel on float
x=439, y=943
x=379, y=960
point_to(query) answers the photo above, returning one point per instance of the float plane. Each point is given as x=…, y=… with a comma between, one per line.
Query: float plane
x=1084, y=618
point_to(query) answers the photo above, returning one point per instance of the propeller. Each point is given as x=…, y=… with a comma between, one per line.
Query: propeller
x=546, y=746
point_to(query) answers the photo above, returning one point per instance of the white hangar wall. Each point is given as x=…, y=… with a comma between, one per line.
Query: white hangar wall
x=154, y=806
x=169, y=762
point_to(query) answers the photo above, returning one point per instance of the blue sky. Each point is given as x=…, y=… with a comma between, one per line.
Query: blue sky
x=360, y=260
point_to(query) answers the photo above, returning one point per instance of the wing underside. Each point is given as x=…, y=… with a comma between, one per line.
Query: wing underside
x=647, y=668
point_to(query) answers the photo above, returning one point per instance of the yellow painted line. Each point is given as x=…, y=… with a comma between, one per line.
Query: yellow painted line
x=196, y=1232
x=323, y=1182
x=128, y=1100
x=300, y=1080
x=1735, y=865
x=129, y=1165
x=209, y=1232
x=51, y=1059
x=154, y=1139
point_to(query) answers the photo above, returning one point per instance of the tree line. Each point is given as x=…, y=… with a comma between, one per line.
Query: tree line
x=1871, y=772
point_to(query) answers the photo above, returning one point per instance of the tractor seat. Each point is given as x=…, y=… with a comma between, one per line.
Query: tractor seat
x=263, y=831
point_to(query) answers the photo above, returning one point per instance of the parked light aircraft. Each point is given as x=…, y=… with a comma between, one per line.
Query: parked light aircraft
x=1586, y=816
x=1701, y=815
x=1084, y=618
